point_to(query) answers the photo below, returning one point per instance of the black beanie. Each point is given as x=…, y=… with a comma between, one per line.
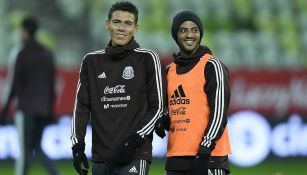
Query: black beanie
x=185, y=16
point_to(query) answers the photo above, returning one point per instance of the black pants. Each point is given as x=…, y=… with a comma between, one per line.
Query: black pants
x=137, y=167
x=30, y=130
x=210, y=172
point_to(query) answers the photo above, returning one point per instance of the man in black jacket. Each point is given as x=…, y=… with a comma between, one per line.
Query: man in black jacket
x=121, y=89
x=198, y=98
x=33, y=85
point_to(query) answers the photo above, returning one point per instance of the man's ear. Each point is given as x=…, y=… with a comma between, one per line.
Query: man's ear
x=107, y=24
x=136, y=28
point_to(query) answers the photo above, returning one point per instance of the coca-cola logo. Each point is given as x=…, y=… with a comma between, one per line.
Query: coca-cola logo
x=179, y=111
x=118, y=89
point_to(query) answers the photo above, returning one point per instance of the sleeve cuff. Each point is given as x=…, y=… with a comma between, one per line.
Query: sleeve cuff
x=204, y=150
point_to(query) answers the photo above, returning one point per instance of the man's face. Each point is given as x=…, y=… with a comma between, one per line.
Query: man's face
x=121, y=27
x=24, y=34
x=188, y=37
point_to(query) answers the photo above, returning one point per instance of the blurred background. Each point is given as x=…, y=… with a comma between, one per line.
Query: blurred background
x=263, y=43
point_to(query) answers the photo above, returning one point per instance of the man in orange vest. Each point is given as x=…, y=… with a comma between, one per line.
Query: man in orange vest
x=198, y=98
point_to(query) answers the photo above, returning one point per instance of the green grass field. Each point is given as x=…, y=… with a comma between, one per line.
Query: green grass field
x=272, y=166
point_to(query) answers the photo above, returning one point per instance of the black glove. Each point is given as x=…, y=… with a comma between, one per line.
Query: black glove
x=79, y=158
x=163, y=123
x=200, y=164
x=128, y=149
x=52, y=119
x=4, y=115
x=2, y=120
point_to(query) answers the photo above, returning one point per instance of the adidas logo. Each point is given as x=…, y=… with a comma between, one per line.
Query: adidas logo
x=133, y=170
x=103, y=75
x=179, y=97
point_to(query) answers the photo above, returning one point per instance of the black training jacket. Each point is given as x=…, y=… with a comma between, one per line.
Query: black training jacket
x=121, y=89
x=33, y=82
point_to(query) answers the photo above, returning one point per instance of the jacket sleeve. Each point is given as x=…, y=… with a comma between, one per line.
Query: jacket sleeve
x=218, y=94
x=15, y=80
x=52, y=82
x=81, y=110
x=155, y=81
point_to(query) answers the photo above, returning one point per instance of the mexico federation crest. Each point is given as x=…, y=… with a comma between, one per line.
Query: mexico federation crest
x=128, y=73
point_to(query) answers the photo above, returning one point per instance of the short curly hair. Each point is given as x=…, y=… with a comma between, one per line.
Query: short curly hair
x=30, y=25
x=124, y=6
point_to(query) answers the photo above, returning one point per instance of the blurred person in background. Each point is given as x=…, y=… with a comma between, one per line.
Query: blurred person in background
x=198, y=95
x=121, y=88
x=33, y=85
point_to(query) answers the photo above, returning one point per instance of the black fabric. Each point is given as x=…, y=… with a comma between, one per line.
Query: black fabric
x=184, y=163
x=186, y=60
x=186, y=16
x=138, y=166
x=204, y=150
x=213, y=69
x=80, y=158
x=105, y=168
x=33, y=85
x=180, y=172
x=34, y=80
x=117, y=53
x=162, y=124
x=30, y=128
x=127, y=151
x=138, y=101
x=201, y=164
x=211, y=171
x=3, y=115
x=178, y=163
x=219, y=162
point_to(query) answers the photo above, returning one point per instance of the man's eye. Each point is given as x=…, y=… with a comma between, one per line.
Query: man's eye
x=128, y=23
x=195, y=30
x=182, y=30
x=116, y=22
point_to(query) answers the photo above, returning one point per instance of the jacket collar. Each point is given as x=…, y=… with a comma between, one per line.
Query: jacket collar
x=117, y=52
x=183, y=60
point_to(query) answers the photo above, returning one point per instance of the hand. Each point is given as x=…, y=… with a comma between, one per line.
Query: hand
x=79, y=158
x=200, y=164
x=2, y=120
x=52, y=119
x=128, y=149
x=3, y=115
x=163, y=123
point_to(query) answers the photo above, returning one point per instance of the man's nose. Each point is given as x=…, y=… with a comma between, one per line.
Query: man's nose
x=121, y=26
x=189, y=33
